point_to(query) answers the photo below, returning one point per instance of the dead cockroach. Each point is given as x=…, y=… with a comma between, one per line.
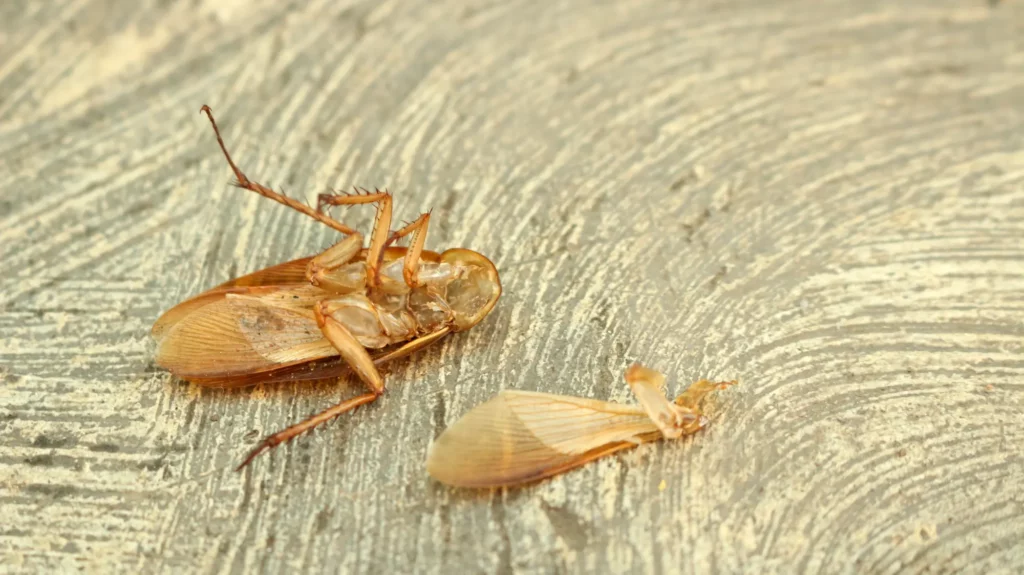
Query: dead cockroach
x=522, y=436
x=313, y=318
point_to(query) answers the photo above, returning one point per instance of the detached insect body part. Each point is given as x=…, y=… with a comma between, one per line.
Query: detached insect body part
x=519, y=436
x=307, y=318
x=673, y=419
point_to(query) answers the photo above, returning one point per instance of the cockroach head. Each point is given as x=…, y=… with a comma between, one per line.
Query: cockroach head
x=476, y=289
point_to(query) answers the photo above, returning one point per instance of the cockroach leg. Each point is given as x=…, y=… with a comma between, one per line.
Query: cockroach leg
x=333, y=258
x=353, y=352
x=412, y=346
x=381, y=225
x=247, y=184
x=411, y=267
x=356, y=356
x=284, y=435
x=357, y=197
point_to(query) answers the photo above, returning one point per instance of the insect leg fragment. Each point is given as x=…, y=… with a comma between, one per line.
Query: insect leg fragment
x=689, y=402
x=287, y=434
x=674, y=418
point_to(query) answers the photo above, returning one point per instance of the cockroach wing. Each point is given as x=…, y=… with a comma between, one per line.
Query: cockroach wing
x=239, y=335
x=288, y=274
x=519, y=436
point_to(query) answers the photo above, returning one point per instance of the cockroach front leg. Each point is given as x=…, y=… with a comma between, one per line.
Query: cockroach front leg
x=357, y=358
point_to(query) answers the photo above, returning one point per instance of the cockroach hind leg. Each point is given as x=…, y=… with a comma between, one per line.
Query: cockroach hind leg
x=242, y=181
x=356, y=356
x=264, y=445
x=285, y=435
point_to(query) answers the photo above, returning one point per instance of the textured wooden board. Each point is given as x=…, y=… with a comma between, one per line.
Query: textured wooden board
x=822, y=199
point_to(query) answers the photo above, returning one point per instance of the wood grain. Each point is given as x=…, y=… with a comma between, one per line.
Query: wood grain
x=824, y=200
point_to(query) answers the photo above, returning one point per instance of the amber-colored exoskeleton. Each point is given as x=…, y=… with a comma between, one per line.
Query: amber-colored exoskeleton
x=349, y=307
x=522, y=436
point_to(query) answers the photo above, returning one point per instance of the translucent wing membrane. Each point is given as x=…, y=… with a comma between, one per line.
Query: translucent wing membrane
x=521, y=436
x=270, y=279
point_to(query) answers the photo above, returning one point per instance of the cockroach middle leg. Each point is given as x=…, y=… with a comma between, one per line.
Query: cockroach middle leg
x=381, y=225
x=247, y=184
x=357, y=358
x=412, y=346
x=411, y=266
x=331, y=259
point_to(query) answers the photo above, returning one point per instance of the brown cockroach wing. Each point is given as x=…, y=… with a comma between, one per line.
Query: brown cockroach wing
x=242, y=335
x=518, y=437
x=288, y=274
x=316, y=370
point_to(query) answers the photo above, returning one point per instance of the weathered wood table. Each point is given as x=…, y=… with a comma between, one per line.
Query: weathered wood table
x=822, y=199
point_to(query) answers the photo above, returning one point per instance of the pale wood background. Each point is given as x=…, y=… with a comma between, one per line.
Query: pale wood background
x=823, y=199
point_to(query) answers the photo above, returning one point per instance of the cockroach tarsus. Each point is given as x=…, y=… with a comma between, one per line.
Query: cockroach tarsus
x=520, y=437
x=292, y=321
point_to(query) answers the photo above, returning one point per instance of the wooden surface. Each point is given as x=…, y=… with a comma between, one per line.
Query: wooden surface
x=822, y=199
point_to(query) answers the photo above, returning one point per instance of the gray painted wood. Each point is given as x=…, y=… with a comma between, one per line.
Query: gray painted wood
x=822, y=199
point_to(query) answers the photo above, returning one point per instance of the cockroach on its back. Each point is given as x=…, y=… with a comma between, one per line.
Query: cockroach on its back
x=292, y=321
